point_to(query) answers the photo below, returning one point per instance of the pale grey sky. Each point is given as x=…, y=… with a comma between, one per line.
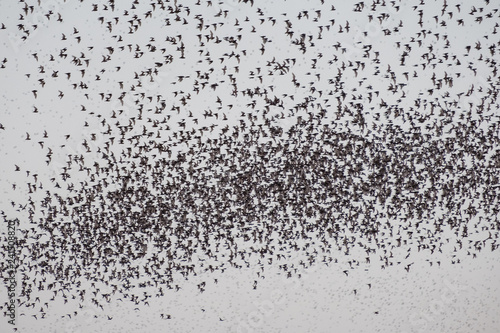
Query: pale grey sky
x=350, y=53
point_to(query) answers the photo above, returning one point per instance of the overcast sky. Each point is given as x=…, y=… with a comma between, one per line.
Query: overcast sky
x=72, y=65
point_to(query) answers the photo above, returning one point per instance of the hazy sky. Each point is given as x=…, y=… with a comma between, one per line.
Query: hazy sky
x=107, y=51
